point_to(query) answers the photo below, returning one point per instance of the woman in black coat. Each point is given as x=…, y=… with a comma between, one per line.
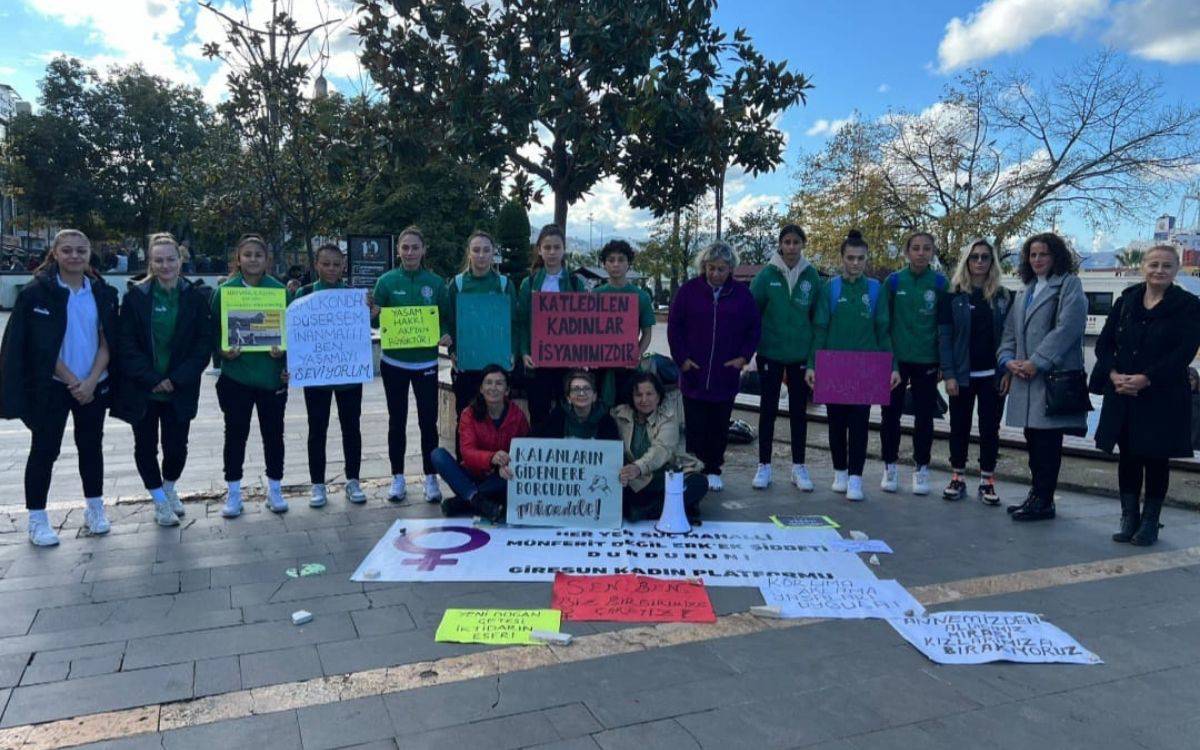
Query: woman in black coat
x=163, y=345
x=1142, y=358
x=55, y=363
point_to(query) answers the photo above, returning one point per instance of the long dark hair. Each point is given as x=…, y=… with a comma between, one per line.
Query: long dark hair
x=549, y=230
x=1064, y=259
x=478, y=406
x=854, y=238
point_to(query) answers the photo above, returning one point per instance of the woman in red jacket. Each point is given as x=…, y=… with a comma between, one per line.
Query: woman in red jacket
x=485, y=430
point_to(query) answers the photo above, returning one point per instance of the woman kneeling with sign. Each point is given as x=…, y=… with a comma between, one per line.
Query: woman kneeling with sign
x=650, y=431
x=486, y=428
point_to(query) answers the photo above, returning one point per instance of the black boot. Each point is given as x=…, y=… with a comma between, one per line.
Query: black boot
x=1130, y=518
x=457, y=506
x=1035, y=509
x=1147, y=533
x=1014, y=508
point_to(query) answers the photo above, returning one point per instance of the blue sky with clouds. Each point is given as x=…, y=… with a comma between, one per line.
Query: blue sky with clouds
x=869, y=56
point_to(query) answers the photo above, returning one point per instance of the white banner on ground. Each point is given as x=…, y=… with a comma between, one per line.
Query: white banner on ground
x=329, y=338
x=844, y=599
x=980, y=637
x=720, y=553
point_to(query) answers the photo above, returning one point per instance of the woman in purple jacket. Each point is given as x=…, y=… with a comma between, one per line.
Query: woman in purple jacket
x=713, y=330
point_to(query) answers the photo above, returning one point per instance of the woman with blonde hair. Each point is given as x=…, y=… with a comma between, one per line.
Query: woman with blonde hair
x=164, y=345
x=54, y=363
x=971, y=315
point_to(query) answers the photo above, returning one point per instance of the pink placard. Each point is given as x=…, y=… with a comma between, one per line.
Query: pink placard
x=573, y=329
x=853, y=377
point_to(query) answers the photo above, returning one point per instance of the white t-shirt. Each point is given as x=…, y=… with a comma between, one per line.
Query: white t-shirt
x=81, y=342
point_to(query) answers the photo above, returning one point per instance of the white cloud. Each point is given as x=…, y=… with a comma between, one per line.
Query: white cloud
x=1162, y=30
x=883, y=88
x=1000, y=26
x=828, y=127
x=128, y=31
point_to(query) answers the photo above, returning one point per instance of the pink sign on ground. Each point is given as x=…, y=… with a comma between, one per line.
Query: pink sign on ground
x=853, y=377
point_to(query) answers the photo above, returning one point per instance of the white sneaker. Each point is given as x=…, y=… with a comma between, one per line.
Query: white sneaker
x=839, y=481
x=41, y=533
x=233, y=505
x=800, y=478
x=320, y=496
x=399, y=490
x=354, y=492
x=176, y=504
x=854, y=490
x=95, y=520
x=433, y=493
x=762, y=477
x=714, y=483
x=921, y=481
x=889, y=483
x=164, y=515
x=275, y=501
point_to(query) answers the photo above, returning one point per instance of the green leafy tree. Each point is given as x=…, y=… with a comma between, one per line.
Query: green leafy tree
x=755, y=235
x=512, y=233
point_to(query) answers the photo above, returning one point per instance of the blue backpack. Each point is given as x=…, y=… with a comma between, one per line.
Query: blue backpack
x=835, y=292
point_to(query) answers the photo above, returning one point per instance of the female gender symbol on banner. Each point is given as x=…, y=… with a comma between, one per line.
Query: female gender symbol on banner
x=431, y=557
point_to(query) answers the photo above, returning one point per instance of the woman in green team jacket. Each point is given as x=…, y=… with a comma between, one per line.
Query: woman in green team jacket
x=850, y=317
x=910, y=295
x=548, y=274
x=250, y=381
x=478, y=276
x=786, y=294
x=407, y=286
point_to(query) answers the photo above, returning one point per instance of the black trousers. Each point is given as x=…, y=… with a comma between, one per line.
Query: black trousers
x=706, y=431
x=545, y=388
x=923, y=378
x=319, y=402
x=1132, y=469
x=1045, y=460
x=465, y=384
x=396, y=381
x=848, y=420
x=238, y=401
x=647, y=503
x=159, y=420
x=48, y=429
x=613, y=384
x=979, y=393
x=770, y=379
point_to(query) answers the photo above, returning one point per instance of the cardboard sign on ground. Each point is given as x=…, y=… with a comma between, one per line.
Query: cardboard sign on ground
x=631, y=598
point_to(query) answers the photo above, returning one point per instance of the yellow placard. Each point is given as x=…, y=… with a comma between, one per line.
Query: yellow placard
x=495, y=625
x=253, y=318
x=413, y=327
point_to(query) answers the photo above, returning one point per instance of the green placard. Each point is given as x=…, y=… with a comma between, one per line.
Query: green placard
x=483, y=332
x=253, y=319
x=411, y=327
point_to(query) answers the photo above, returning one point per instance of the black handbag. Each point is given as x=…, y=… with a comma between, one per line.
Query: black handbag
x=1066, y=390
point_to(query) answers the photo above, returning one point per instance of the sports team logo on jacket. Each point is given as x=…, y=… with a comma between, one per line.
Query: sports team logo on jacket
x=930, y=298
x=427, y=294
x=805, y=293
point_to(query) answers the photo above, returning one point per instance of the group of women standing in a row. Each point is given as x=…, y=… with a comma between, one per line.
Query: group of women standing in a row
x=68, y=351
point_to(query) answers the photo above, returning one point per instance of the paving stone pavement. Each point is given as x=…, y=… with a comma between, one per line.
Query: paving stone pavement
x=150, y=615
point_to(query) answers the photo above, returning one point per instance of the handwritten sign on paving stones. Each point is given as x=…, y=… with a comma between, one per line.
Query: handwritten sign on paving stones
x=843, y=599
x=495, y=625
x=980, y=637
x=631, y=598
x=568, y=482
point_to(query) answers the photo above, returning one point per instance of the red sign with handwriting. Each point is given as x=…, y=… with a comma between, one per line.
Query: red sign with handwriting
x=631, y=598
x=572, y=329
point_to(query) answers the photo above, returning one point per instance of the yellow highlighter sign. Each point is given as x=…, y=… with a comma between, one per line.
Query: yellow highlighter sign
x=253, y=318
x=413, y=327
x=496, y=625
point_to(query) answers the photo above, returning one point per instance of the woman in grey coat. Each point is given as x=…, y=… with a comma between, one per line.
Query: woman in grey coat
x=1043, y=333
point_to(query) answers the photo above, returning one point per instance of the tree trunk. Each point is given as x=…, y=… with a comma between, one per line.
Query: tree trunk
x=719, y=195
x=560, y=210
